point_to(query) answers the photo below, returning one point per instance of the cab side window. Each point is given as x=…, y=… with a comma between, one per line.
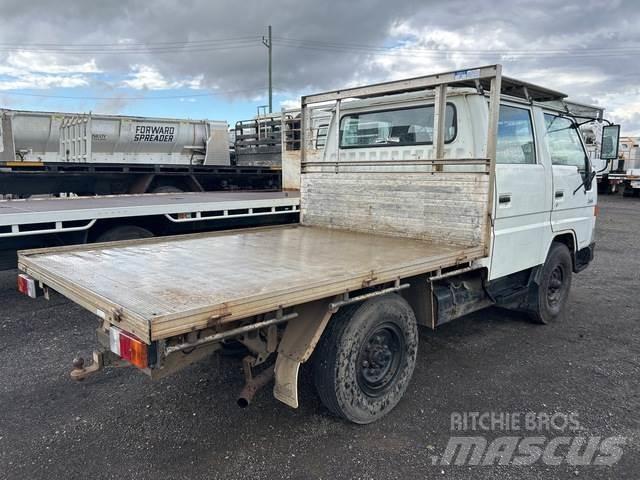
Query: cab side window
x=397, y=127
x=564, y=143
x=515, y=136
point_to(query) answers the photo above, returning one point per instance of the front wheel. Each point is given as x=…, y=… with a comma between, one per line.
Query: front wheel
x=555, y=284
x=366, y=357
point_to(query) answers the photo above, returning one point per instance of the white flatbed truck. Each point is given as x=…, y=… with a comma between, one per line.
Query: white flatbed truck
x=432, y=197
x=38, y=223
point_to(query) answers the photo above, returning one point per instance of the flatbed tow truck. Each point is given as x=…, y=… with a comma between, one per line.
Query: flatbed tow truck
x=432, y=197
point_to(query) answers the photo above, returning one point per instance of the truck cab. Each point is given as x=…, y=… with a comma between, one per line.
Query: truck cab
x=542, y=190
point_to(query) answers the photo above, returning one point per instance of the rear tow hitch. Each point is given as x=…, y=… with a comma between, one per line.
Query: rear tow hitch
x=100, y=360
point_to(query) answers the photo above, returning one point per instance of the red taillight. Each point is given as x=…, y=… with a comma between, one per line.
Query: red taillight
x=596, y=211
x=125, y=346
x=27, y=285
x=128, y=347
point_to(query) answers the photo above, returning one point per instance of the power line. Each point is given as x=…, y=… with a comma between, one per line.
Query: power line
x=136, y=51
x=448, y=50
x=439, y=53
x=164, y=97
x=108, y=49
x=411, y=52
x=213, y=44
x=125, y=44
x=232, y=43
x=221, y=42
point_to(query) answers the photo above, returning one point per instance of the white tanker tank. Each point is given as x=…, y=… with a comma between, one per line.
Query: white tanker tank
x=31, y=136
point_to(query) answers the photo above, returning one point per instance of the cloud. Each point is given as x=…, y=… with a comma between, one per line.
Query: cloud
x=290, y=104
x=325, y=45
x=33, y=62
x=30, y=70
x=147, y=77
x=31, y=81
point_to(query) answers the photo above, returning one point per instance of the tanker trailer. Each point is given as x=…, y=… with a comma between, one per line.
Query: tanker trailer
x=89, y=154
x=92, y=138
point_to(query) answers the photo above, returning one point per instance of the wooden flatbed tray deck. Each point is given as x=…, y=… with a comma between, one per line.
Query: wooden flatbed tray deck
x=156, y=288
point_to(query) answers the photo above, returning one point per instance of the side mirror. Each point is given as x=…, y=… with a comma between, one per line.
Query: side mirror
x=610, y=142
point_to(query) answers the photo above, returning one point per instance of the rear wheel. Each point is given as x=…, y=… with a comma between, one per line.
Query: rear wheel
x=167, y=189
x=629, y=191
x=124, y=232
x=555, y=284
x=366, y=358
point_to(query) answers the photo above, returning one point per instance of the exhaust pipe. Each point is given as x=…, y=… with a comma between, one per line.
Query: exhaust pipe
x=252, y=386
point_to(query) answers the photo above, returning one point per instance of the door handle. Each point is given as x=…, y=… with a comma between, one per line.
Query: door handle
x=503, y=199
x=559, y=194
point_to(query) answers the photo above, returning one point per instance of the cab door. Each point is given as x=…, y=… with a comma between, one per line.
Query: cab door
x=572, y=207
x=521, y=206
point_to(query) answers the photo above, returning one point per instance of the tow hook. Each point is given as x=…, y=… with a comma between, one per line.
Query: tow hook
x=100, y=360
x=80, y=372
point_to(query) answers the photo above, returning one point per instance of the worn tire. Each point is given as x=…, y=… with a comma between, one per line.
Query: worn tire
x=124, y=232
x=555, y=283
x=352, y=339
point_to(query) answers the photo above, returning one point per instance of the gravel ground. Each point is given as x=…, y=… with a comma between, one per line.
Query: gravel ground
x=120, y=425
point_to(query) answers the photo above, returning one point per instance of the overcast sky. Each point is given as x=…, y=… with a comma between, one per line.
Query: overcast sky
x=205, y=59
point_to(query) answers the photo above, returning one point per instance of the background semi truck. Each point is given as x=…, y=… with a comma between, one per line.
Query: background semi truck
x=91, y=154
x=432, y=197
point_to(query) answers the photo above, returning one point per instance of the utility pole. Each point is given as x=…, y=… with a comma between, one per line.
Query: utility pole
x=269, y=44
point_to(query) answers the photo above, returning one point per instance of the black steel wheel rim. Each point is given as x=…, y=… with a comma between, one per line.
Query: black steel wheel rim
x=556, y=286
x=380, y=359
